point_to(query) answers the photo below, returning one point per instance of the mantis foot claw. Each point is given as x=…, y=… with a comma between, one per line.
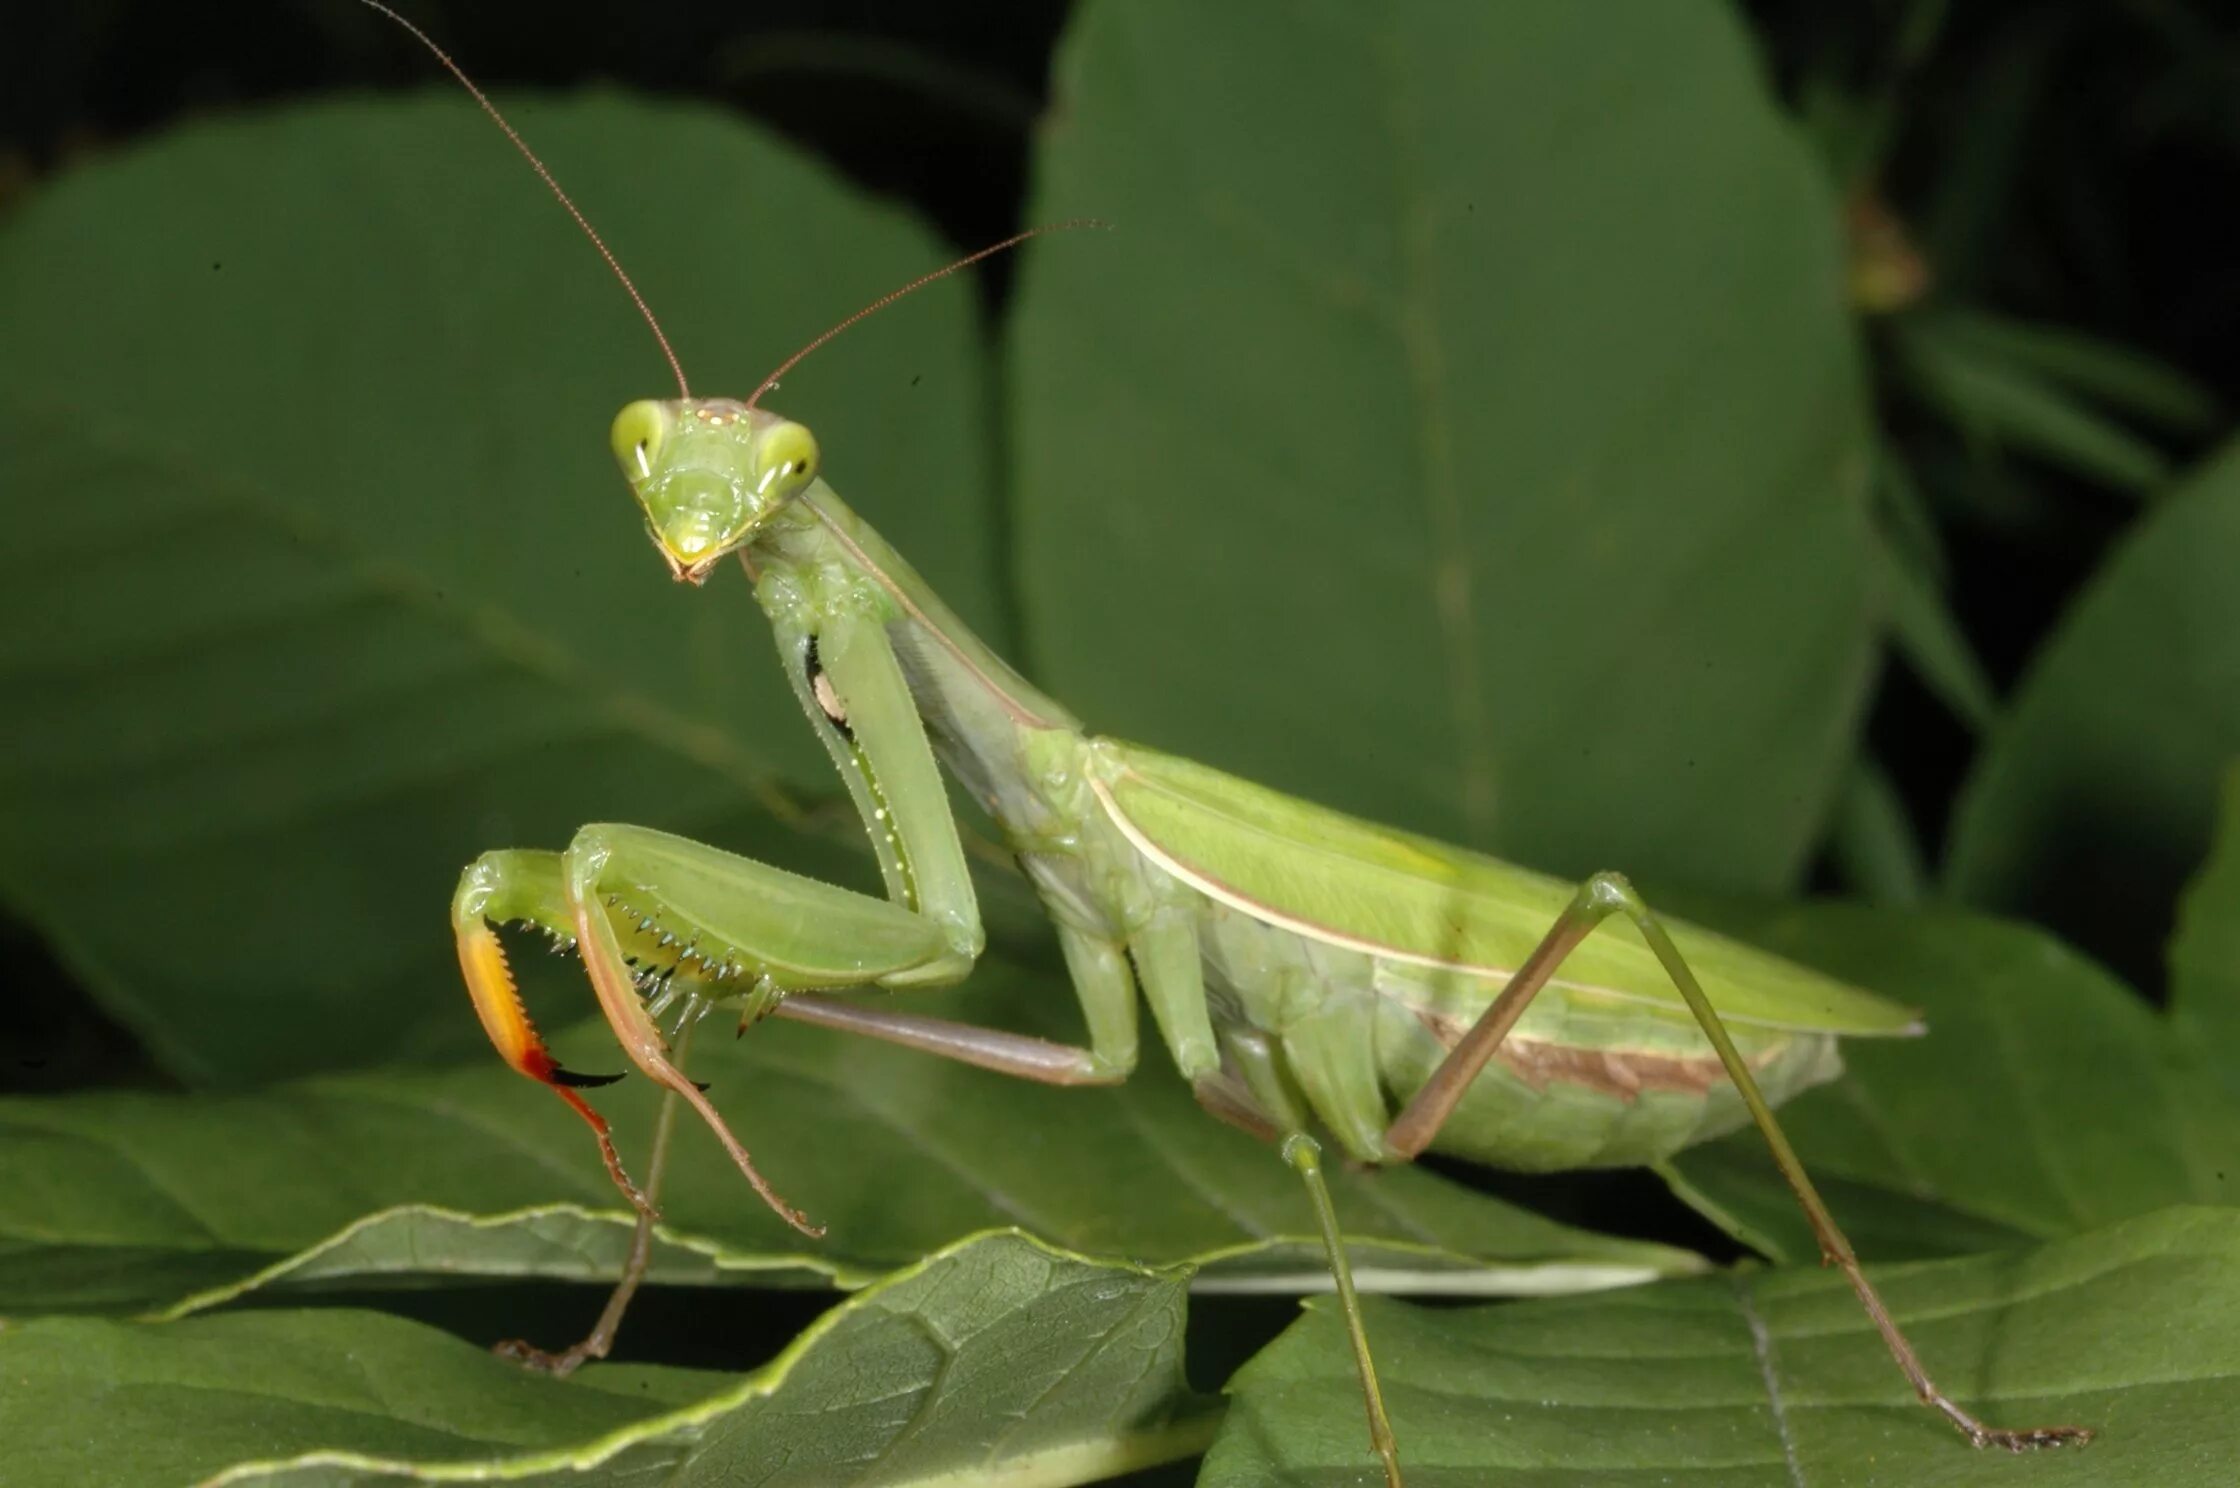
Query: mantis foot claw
x=2033, y=1438
x=529, y=1356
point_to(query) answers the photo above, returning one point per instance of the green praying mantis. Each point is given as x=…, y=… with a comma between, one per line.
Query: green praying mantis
x=1316, y=979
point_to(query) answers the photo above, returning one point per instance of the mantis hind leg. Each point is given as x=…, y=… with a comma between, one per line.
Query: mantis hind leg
x=1600, y=897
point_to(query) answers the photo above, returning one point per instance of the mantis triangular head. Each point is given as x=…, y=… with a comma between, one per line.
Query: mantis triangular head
x=709, y=473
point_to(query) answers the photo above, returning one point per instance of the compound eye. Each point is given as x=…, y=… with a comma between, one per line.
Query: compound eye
x=637, y=435
x=789, y=457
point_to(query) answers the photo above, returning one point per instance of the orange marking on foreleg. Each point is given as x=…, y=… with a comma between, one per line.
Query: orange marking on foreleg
x=497, y=1002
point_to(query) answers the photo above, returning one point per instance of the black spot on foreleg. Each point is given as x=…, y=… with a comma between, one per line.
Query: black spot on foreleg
x=828, y=697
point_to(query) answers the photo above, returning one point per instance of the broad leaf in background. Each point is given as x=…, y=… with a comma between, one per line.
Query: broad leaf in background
x=1462, y=426
x=319, y=578
x=1001, y=1358
x=2091, y=803
x=2205, y=957
x=114, y=1200
x=2045, y=1100
x=1776, y=1379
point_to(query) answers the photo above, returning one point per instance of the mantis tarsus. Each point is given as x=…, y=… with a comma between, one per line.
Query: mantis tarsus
x=1315, y=978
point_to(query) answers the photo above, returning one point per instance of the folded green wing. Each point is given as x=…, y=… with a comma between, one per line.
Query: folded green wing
x=1348, y=882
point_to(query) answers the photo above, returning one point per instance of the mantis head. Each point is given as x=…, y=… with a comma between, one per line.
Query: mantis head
x=708, y=473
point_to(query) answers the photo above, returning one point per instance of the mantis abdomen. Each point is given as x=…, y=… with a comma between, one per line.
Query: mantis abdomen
x=1584, y=1080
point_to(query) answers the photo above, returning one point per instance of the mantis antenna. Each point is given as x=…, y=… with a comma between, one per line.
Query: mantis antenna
x=683, y=390
x=912, y=287
x=653, y=324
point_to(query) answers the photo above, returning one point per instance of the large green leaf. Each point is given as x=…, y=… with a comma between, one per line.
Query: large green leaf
x=1776, y=1380
x=2045, y=1100
x=1462, y=426
x=319, y=578
x=1002, y=1359
x=118, y=1200
x=2092, y=801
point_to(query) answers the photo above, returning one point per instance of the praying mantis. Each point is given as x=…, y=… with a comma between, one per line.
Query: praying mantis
x=1317, y=979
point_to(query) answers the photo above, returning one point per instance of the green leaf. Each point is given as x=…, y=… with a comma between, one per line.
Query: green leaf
x=1967, y=226
x=1930, y=637
x=319, y=578
x=2045, y=1100
x=1904, y=519
x=2110, y=372
x=2205, y=955
x=1462, y=426
x=122, y=1200
x=1871, y=841
x=2011, y=402
x=2090, y=804
x=1775, y=1379
x=1001, y=1358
